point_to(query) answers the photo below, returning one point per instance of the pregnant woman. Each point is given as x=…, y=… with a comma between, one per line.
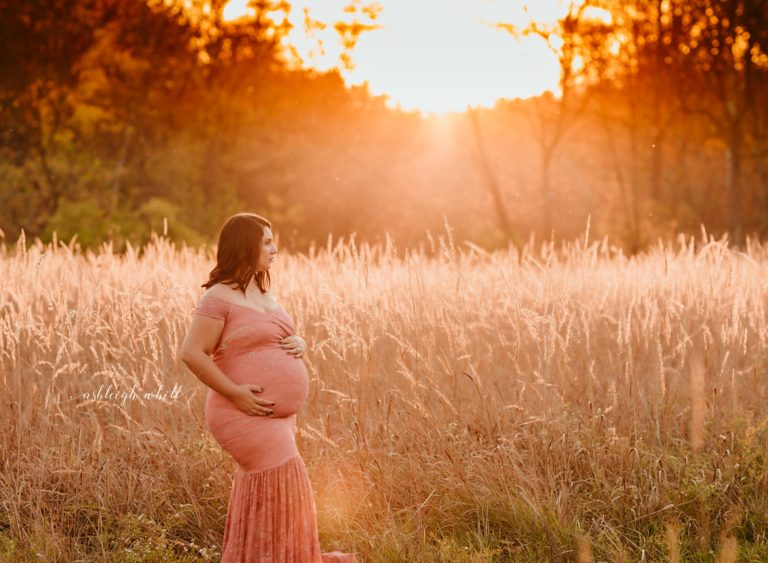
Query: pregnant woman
x=241, y=344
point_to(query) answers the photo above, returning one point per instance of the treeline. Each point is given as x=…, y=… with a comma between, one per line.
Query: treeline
x=116, y=115
x=677, y=94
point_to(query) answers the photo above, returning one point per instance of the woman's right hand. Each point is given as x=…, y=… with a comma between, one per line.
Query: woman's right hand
x=243, y=397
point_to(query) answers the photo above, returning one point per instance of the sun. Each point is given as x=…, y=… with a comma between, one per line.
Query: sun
x=431, y=56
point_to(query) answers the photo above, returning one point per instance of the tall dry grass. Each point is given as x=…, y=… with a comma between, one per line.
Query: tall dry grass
x=563, y=404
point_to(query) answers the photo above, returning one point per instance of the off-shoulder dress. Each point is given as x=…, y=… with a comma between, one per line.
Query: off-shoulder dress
x=271, y=516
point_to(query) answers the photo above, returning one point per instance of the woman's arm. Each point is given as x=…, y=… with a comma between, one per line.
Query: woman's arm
x=201, y=339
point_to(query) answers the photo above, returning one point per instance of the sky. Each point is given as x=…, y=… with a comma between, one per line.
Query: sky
x=432, y=56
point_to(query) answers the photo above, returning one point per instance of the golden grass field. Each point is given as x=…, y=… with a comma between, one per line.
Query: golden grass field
x=549, y=404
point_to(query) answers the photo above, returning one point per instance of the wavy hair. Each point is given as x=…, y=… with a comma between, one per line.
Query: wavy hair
x=238, y=252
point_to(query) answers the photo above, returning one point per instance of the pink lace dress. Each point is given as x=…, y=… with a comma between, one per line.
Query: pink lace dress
x=271, y=516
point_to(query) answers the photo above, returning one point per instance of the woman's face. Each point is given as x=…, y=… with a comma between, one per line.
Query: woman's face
x=268, y=250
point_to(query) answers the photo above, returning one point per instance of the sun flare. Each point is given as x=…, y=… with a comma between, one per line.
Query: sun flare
x=430, y=56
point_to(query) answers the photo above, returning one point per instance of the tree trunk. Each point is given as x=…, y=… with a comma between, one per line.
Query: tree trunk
x=733, y=182
x=545, y=193
x=491, y=182
x=762, y=192
x=656, y=153
x=120, y=167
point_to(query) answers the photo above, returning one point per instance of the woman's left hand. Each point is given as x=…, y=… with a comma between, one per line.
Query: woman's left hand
x=294, y=344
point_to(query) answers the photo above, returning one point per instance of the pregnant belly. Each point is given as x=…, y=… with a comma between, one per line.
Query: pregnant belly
x=284, y=378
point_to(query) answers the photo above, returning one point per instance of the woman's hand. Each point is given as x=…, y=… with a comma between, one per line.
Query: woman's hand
x=294, y=344
x=246, y=401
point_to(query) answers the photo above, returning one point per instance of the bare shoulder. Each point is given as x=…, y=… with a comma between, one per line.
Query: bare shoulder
x=236, y=297
x=222, y=291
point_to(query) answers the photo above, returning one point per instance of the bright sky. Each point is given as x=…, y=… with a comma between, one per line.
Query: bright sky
x=434, y=56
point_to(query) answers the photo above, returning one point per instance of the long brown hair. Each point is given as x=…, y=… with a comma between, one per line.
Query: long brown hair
x=238, y=252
